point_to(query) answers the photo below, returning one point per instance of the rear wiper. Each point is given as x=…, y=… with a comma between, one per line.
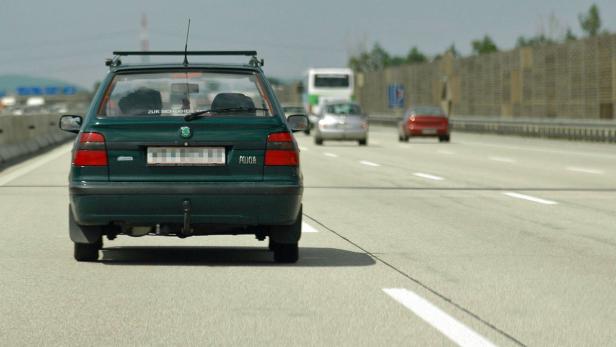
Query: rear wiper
x=201, y=114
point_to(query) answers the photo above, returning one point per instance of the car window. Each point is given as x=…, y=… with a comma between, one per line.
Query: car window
x=184, y=92
x=343, y=108
x=427, y=110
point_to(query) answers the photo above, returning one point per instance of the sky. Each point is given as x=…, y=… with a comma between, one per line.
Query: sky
x=69, y=39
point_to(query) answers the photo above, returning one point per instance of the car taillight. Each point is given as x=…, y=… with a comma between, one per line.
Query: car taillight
x=91, y=150
x=281, y=150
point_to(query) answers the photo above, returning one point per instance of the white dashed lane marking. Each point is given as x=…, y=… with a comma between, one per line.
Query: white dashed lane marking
x=444, y=151
x=307, y=228
x=585, y=170
x=331, y=155
x=530, y=198
x=302, y=148
x=437, y=318
x=428, y=176
x=502, y=159
x=369, y=163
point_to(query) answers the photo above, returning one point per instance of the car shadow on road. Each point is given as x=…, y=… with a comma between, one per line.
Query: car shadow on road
x=229, y=256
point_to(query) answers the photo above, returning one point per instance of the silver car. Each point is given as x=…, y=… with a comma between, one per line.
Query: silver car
x=341, y=121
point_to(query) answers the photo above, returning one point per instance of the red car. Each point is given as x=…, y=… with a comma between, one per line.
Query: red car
x=424, y=121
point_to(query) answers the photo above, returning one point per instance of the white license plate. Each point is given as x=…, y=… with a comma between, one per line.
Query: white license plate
x=186, y=156
x=429, y=131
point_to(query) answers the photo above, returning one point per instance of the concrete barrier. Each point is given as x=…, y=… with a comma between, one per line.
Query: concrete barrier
x=569, y=129
x=24, y=135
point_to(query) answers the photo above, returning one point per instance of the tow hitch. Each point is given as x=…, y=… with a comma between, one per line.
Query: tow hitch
x=186, y=229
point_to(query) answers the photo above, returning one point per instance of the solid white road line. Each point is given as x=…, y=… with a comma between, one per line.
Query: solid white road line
x=441, y=321
x=541, y=150
x=585, y=170
x=530, y=198
x=502, y=159
x=428, y=176
x=307, y=228
x=369, y=163
x=331, y=155
x=33, y=164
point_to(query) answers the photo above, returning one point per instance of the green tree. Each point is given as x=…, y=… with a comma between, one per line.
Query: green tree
x=415, y=56
x=533, y=41
x=591, y=21
x=484, y=46
x=570, y=36
x=452, y=49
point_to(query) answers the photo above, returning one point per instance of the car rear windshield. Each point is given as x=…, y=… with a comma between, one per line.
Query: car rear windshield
x=178, y=93
x=428, y=110
x=343, y=108
x=331, y=81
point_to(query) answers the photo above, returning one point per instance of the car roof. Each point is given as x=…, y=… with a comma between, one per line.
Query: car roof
x=179, y=66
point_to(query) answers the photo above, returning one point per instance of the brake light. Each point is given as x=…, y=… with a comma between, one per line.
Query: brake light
x=281, y=150
x=91, y=150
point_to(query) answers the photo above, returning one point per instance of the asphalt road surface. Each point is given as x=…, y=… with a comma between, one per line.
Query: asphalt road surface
x=486, y=240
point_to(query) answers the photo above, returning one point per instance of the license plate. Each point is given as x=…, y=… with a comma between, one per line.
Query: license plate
x=186, y=156
x=429, y=131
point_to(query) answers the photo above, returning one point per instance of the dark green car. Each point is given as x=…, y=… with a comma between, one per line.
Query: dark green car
x=182, y=150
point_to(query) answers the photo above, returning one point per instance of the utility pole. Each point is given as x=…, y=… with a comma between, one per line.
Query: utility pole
x=143, y=36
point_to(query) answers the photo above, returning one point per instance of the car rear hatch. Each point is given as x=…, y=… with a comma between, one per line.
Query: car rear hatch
x=430, y=121
x=212, y=149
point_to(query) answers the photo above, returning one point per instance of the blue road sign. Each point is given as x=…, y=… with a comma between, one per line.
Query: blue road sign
x=24, y=91
x=52, y=90
x=69, y=90
x=395, y=95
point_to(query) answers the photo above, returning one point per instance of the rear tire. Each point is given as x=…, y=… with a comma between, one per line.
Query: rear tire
x=87, y=251
x=405, y=138
x=284, y=239
x=318, y=141
x=444, y=138
x=285, y=252
x=363, y=142
x=307, y=131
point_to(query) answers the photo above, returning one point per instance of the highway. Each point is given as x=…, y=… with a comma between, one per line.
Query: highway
x=487, y=240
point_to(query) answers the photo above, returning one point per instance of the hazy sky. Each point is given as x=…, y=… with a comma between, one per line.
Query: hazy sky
x=70, y=39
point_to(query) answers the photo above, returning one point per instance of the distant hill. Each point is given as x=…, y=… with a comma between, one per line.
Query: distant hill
x=8, y=83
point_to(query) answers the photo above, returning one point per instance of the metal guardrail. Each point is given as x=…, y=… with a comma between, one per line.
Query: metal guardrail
x=570, y=129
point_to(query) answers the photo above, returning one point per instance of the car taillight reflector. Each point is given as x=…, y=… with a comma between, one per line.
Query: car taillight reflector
x=281, y=150
x=275, y=157
x=84, y=157
x=91, y=150
x=91, y=137
x=280, y=137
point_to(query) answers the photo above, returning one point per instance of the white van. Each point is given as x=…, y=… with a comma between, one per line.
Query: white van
x=326, y=84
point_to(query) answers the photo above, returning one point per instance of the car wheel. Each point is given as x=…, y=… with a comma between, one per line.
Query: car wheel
x=283, y=240
x=87, y=251
x=286, y=252
x=363, y=142
x=318, y=141
x=307, y=131
x=405, y=138
x=444, y=138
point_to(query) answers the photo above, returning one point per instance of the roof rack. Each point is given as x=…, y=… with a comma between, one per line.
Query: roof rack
x=115, y=61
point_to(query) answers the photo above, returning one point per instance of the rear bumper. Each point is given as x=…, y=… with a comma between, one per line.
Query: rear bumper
x=427, y=131
x=347, y=134
x=141, y=203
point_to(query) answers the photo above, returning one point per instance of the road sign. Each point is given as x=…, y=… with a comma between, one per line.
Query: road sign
x=395, y=95
x=69, y=90
x=52, y=90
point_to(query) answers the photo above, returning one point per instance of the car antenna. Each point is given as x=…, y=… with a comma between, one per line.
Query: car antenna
x=186, y=44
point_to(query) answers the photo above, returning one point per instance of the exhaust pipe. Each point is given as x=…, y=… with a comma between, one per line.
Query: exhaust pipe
x=186, y=229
